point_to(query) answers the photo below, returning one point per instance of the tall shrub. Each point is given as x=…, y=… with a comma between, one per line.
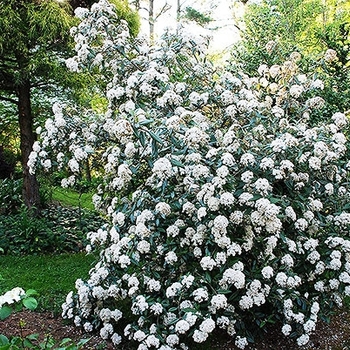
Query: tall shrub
x=227, y=209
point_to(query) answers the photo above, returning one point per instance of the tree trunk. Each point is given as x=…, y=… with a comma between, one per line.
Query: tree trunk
x=151, y=21
x=178, y=11
x=30, y=184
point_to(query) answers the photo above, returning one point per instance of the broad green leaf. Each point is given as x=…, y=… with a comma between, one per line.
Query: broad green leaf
x=82, y=342
x=31, y=292
x=5, y=312
x=3, y=340
x=30, y=303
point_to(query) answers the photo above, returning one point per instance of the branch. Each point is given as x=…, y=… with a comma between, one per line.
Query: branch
x=164, y=9
x=8, y=99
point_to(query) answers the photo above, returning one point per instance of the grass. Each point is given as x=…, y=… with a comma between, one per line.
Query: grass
x=70, y=198
x=52, y=276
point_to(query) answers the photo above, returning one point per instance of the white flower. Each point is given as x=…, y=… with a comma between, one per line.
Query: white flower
x=227, y=198
x=173, y=289
x=241, y=342
x=172, y=339
x=201, y=213
x=246, y=302
x=12, y=296
x=290, y=213
x=296, y=90
x=335, y=264
x=340, y=119
x=313, y=257
x=267, y=272
x=247, y=176
x=171, y=258
x=262, y=186
x=199, y=336
x=73, y=165
x=139, y=335
x=143, y=247
x=236, y=217
x=187, y=281
x=200, y=295
x=319, y=286
x=309, y=326
x=235, y=277
x=303, y=339
x=116, y=339
x=247, y=159
x=286, y=329
x=124, y=261
x=157, y=308
x=330, y=55
x=154, y=285
x=163, y=208
x=287, y=260
x=315, y=163
x=152, y=341
x=207, y=263
x=301, y=224
x=207, y=326
x=88, y=327
x=317, y=84
x=182, y=326
x=162, y=168
x=218, y=301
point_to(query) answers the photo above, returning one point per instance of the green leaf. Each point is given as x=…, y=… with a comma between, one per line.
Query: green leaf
x=31, y=292
x=5, y=312
x=28, y=344
x=3, y=340
x=82, y=342
x=65, y=341
x=207, y=277
x=145, y=122
x=224, y=291
x=177, y=163
x=30, y=303
x=155, y=137
x=34, y=336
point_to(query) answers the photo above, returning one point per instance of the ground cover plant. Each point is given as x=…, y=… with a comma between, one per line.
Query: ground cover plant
x=58, y=230
x=227, y=209
x=61, y=227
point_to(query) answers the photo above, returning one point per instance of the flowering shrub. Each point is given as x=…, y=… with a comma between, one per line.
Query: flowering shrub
x=227, y=209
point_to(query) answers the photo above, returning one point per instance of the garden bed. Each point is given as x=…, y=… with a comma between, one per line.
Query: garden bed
x=332, y=336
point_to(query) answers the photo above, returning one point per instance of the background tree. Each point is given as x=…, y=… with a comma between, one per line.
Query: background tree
x=33, y=44
x=32, y=34
x=273, y=29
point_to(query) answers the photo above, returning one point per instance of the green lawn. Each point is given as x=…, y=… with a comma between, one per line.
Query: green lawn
x=68, y=197
x=52, y=276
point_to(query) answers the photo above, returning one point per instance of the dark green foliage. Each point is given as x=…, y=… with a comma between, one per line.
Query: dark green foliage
x=10, y=196
x=57, y=230
x=6, y=167
x=196, y=16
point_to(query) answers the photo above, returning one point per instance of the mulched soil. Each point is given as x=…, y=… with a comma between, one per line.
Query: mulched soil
x=332, y=336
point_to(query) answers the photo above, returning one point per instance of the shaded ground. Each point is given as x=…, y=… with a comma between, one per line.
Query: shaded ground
x=333, y=336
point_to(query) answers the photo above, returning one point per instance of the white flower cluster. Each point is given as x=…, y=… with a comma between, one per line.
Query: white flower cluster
x=12, y=296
